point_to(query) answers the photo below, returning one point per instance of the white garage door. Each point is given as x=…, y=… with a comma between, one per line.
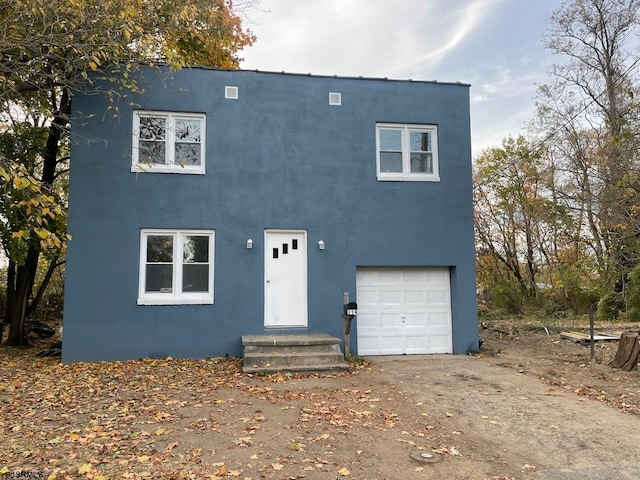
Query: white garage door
x=403, y=311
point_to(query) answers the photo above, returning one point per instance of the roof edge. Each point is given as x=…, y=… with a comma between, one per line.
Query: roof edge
x=343, y=77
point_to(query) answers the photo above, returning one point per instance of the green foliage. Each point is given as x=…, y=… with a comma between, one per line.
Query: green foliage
x=49, y=48
x=516, y=221
x=52, y=48
x=633, y=295
x=632, y=315
x=505, y=297
x=559, y=212
x=575, y=288
x=30, y=215
x=610, y=306
x=551, y=308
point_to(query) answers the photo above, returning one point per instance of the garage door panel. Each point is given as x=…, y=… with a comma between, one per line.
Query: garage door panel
x=368, y=344
x=415, y=276
x=392, y=344
x=387, y=278
x=403, y=310
x=367, y=296
x=438, y=297
x=439, y=319
x=389, y=320
x=437, y=276
x=439, y=332
x=415, y=297
x=440, y=344
x=418, y=319
x=415, y=345
x=391, y=296
x=367, y=322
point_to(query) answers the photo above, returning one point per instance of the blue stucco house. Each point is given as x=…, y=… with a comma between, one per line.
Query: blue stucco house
x=220, y=203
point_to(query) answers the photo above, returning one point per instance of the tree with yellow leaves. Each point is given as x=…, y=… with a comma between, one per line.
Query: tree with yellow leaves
x=52, y=48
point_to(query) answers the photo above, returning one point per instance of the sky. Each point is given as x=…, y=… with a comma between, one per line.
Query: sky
x=494, y=45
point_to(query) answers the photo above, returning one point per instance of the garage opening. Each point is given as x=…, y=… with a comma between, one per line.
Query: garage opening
x=403, y=310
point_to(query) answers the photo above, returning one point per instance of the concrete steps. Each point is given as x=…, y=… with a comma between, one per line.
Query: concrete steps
x=292, y=353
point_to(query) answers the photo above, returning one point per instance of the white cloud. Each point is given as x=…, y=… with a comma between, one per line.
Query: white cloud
x=450, y=31
x=360, y=37
x=492, y=44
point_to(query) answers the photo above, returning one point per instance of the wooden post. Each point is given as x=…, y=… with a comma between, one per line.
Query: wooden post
x=628, y=351
x=345, y=319
x=591, y=336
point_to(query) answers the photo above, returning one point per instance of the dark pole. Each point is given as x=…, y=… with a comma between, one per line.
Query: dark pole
x=346, y=327
x=591, y=333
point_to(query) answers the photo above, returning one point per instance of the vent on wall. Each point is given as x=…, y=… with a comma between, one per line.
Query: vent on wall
x=231, y=92
x=335, y=98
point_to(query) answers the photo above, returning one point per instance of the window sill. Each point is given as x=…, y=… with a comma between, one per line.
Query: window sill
x=286, y=327
x=407, y=178
x=175, y=301
x=144, y=168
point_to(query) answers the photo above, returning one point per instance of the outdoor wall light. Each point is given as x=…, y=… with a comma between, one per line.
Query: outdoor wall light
x=320, y=245
x=249, y=244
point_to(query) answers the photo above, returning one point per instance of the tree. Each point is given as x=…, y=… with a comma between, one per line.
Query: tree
x=518, y=224
x=32, y=217
x=566, y=207
x=48, y=50
x=589, y=110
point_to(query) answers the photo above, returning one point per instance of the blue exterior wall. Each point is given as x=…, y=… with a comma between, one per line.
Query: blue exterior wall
x=277, y=157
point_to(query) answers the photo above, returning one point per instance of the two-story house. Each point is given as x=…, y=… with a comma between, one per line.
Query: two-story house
x=219, y=203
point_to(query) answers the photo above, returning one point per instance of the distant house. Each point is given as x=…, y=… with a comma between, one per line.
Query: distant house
x=228, y=203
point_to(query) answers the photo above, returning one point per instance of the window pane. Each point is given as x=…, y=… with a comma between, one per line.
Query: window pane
x=420, y=141
x=188, y=131
x=151, y=152
x=421, y=163
x=391, y=162
x=196, y=249
x=195, y=277
x=159, y=248
x=159, y=278
x=152, y=128
x=188, y=154
x=391, y=140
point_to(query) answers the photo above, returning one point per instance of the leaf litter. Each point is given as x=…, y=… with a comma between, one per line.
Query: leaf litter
x=205, y=419
x=186, y=419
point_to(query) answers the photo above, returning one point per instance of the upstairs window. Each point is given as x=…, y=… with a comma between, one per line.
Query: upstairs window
x=407, y=152
x=176, y=267
x=165, y=142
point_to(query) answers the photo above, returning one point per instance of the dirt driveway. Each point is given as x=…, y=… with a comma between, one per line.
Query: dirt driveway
x=531, y=406
x=507, y=417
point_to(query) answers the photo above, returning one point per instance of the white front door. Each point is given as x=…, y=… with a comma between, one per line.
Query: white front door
x=285, y=278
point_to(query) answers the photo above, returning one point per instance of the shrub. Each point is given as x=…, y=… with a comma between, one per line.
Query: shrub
x=633, y=295
x=610, y=306
x=505, y=296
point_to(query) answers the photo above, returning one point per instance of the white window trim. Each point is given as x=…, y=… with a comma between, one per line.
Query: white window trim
x=170, y=166
x=407, y=175
x=176, y=297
